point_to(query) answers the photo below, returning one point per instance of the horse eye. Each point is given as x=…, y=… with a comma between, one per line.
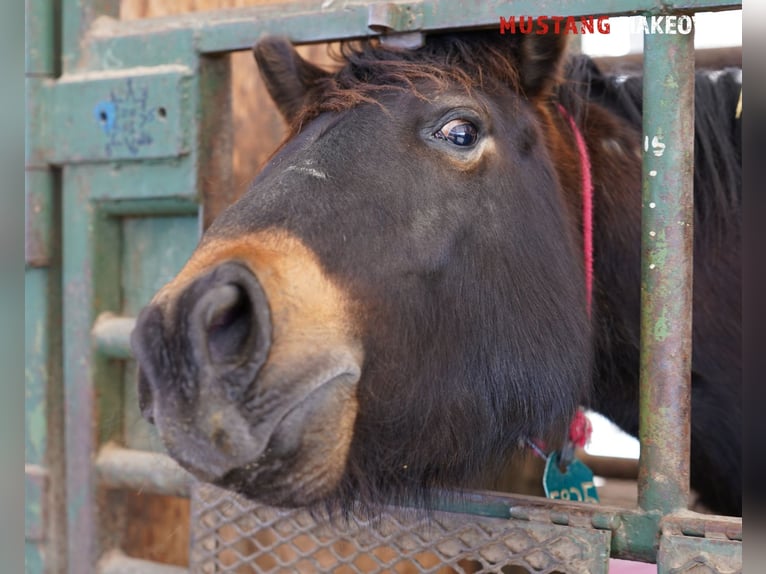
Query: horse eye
x=458, y=132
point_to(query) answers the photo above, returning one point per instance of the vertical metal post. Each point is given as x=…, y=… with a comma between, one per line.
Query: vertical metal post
x=77, y=16
x=84, y=241
x=666, y=284
x=45, y=544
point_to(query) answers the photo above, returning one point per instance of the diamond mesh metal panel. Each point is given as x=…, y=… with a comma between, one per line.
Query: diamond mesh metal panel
x=233, y=535
x=696, y=555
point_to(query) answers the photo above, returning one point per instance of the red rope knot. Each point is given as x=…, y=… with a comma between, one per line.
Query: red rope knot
x=580, y=429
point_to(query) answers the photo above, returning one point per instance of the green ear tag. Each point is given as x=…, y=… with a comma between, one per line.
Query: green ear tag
x=575, y=484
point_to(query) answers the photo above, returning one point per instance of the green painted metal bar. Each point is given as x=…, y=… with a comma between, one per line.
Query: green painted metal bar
x=44, y=521
x=230, y=30
x=36, y=348
x=42, y=49
x=695, y=525
x=635, y=533
x=91, y=242
x=41, y=185
x=111, y=335
x=155, y=206
x=140, y=471
x=76, y=19
x=666, y=285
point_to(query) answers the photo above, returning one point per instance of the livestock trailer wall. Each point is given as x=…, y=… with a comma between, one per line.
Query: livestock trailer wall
x=129, y=155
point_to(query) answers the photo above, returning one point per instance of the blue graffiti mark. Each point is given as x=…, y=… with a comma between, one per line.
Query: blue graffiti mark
x=104, y=112
x=125, y=117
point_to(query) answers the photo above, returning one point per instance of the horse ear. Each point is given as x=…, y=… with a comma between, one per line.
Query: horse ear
x=541, y=61
x=288, y=77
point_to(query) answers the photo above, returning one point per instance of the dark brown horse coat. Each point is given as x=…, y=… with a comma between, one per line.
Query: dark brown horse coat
x=398, y=302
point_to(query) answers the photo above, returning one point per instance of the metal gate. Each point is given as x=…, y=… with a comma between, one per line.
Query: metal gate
x=128, y=135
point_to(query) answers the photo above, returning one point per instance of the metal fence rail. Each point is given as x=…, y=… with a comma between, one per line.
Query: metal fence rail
x=98, y=208
x=231, y=534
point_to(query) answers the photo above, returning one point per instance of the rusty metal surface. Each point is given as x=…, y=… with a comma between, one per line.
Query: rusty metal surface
x=687, y=555
x=666, y=274
x=696, y=525
x=308, y=22
x=231, y=534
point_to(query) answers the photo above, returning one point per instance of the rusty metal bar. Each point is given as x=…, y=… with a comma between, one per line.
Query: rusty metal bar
x=666, y=284
x=692, y=524
x=45, y=544
x=111, y=335
x=115, y=562
x=688, y=554
x=141, y=471
x=634, y=534
x=231, y=30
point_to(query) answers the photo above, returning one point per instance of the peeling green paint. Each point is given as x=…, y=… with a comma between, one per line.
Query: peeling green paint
x=666, y=273
x=661, y=329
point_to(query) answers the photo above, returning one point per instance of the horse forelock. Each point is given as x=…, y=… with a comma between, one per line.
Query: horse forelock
x=465, y=62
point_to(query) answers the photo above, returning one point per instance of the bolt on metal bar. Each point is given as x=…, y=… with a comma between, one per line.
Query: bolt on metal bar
x=141, y=471
x=666, y=274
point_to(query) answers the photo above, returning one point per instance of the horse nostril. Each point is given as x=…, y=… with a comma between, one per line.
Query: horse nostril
x=229, y=324
x=228, y=321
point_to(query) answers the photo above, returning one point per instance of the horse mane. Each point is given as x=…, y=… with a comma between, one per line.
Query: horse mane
x=717, y=138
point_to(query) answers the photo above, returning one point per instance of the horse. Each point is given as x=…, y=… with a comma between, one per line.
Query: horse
x=400, y=302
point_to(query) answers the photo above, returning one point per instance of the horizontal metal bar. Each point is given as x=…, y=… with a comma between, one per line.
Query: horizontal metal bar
x=149, y=206
x=111, y=335
x=703, y=526
x=115, y=562
x=142, y=471
x=635, y=533
x=231, y=30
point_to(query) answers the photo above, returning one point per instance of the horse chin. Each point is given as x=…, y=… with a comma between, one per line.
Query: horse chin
x=305, y=457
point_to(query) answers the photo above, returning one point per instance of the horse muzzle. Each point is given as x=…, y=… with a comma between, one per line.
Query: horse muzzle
x=240, y=379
